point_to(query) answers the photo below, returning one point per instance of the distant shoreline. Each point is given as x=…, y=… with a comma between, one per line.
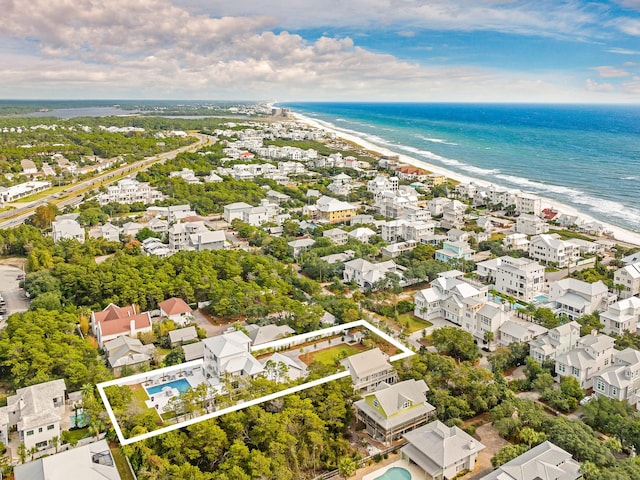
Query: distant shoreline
x=619, y=233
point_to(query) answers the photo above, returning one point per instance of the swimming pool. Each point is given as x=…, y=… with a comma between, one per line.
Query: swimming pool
x=540, y=299
x=79, y=420
x=181, y=385
x=395, y=473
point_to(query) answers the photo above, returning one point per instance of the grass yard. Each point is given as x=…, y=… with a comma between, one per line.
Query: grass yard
x=139, y=398
x=412, y=323
x=121, y=463
x=72, y=436
x=328, y=355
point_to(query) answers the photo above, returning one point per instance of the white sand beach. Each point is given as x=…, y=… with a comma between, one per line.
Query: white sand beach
x=619, y=233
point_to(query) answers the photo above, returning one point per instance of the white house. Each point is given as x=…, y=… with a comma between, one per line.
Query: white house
x=453, y=214
x=545, y=461
x=129, y=191
x=370, y=369
x=519, y=277
x=229, y=354
x=621, y=380
x=362, y=234
x=629, y=278
x=442, y=452
x=366, y=274
x=67, y=229
x=448, y=297
x=622, y=316
x=531, y=225
x=382, y=183
x=235, y=210
x=35, y=412
x=556, y=341
x=336, y=235
x=575, y=298
x=515, y=331
x=301, y=245
x=516, y=241
x=108, y=231
x=550, y=250
x=593, y=354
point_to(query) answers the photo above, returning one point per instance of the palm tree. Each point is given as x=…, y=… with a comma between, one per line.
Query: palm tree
x=55, y=440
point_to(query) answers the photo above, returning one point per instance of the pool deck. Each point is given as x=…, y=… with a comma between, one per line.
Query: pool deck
x=395, y=461
x=160, y=400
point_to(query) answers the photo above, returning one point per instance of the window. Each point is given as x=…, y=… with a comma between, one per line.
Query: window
x=29, y=433
x=561, y=367
x=406, y=404
x=40, y=430
x=50, y=427
x=575, y=371
x=376, y=404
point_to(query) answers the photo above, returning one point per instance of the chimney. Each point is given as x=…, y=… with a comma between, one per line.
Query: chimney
x=471, y=445
x=132, y=327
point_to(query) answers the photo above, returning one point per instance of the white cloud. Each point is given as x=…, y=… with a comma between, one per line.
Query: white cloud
x=624, y=51
x=606, y=71
x=630, y=26
x=631, y=87
x=593, y=86
x=406, y=33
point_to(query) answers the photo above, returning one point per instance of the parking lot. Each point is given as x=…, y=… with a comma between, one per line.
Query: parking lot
x=12, y=294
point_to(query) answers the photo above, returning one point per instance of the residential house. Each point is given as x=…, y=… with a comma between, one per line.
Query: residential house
x=180, y=336
x=366, y=274
x=131, y=229
x=483, y=321
x=129, y=191
x=185, y=174
x=628, y=278
x=229, y=353
x=394, y=204
x=362, y=220
x=342, y=184
x=28, y=167
x=177, y=310
x=336, y=235
x=362, y=234
x=88, y=462
x=279, y=367
x=396, y=249
x=35, y=412
x=268, y=333
x=193, y=351
x=621, y=380
x=67, y=229
x=265, y=212
x=531, y=225
x=212, y=178
x=515, y=331
x=528, y=203
x=108, y=231
x=235, y=211
x=332, y=210
x=556, y=341
x=630, y=259
x=127, y=352
x=277, y=198
x=519, y=277
x=593, y=353
x=369, y=369
x=153, y=246
x=552, y=251
x=545, y=461
x=180, y=233
x=410, y=173
x=390, y=411
x=575, y=298
x=622, y=316
x=516, y=241
x=436, y=206
x=114, y=321
x=207, y=240
x=382, y=183
x=448, y=297
x=453, y=215
x=452, y=251
x=457, y=235
x=301, y=245
x=442, y=452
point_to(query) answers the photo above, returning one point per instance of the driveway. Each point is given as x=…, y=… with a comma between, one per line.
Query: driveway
x=493, y=443
x=10, y=291
x=203, y=322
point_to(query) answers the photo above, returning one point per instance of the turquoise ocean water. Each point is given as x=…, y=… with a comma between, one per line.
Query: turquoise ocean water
x=586, y=156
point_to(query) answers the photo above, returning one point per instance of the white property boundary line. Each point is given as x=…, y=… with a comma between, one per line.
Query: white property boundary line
x=289, y=341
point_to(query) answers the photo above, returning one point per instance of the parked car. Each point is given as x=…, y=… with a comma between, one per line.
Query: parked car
x=21, y=276
x=587, y=399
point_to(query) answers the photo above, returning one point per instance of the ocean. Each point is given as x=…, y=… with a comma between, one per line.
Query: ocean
x=586, y=156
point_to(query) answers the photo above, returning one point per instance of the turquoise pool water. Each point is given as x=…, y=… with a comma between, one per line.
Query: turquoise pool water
x=79, y=420
x=181, y=385
x=494, y=298
x=540, y=299
x=395, y=473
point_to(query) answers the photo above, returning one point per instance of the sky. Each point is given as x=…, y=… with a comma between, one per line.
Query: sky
x=322, y=50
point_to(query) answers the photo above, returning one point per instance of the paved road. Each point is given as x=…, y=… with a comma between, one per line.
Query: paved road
x=17, y=216
x=10, y=291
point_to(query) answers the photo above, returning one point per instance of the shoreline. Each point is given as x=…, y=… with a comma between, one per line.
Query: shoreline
x=619, y=233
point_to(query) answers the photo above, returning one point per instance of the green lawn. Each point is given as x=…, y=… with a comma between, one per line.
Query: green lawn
x=72, y=436
x=328, y=355
x=121, y=463
x=414, y=323
x=139, y=398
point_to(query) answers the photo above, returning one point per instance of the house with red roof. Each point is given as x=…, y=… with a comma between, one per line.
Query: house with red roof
x=177, y=310
x=114, y=321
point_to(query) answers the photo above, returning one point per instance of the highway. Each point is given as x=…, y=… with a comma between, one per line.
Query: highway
x=74, y=195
